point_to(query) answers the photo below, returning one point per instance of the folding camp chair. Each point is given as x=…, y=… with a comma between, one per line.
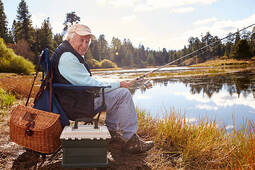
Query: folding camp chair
x=46, y=100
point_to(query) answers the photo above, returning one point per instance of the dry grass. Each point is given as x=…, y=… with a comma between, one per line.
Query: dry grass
x=178, y=143
x=199, y=146
x=19, y=85
x=226, y=62
x=189, y=72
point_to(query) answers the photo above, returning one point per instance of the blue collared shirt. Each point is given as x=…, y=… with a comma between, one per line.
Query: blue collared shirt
x=76, y=73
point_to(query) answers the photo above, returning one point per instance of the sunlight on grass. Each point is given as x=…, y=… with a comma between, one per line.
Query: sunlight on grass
x=201, y=144
x=6, y=99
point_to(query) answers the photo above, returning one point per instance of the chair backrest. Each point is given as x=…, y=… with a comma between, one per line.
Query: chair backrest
x=45, y=61
x=43, y=97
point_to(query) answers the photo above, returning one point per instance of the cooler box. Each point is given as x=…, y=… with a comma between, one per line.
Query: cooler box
x=85, y=146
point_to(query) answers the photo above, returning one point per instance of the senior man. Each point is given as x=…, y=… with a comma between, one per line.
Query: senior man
x=70, y=68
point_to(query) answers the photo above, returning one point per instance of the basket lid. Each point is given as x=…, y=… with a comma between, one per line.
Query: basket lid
x=21, y=115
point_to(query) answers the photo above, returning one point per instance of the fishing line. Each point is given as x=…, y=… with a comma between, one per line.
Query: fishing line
x=148, y=84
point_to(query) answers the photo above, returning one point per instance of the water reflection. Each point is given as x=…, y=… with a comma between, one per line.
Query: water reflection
x=220, y=98
x=239, y=83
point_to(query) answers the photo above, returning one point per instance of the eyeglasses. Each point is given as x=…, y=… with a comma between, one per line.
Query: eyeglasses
x=87, y=41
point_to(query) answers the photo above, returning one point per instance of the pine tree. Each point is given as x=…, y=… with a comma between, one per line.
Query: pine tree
x=23, y=26
x=58, y=38
x=3, y=23
x=46, y=37
x=102, y=47
x=227, y=49
x=241, y=50
x=71, y=18
x=237, y=37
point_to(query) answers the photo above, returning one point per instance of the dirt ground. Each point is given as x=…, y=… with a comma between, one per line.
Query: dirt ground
x=9, y=153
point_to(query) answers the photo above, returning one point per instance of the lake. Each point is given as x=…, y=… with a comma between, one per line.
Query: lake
x=224, y=98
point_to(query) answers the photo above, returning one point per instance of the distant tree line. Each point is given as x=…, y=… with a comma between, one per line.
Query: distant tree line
x=28, y=41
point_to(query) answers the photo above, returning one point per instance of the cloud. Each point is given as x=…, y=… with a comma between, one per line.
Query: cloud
x=37, y=20
x=128, y=19
x=206, y=107
x=144, y=97
x=190, y=120
x=117, y=3
x=219, y=99
x=194, y=97
x=205, y=21
x=215, y=26
x=151, y=5
x=228, y=127
x=182, y=10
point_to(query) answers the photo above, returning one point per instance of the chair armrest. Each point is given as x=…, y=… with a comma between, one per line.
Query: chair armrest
x=75, y=87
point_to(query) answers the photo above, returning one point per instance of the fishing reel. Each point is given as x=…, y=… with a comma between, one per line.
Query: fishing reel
x=147, y=84
x=141, y=83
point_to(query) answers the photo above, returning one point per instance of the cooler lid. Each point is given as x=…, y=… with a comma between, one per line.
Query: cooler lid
x=85, y=132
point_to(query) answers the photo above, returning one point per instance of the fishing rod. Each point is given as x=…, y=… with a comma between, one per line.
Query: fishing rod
x=147, y=83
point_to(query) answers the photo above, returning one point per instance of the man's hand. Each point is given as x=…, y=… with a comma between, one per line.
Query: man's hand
x=125, y=84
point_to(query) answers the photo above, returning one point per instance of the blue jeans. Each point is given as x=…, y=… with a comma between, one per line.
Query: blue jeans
x=120, y=111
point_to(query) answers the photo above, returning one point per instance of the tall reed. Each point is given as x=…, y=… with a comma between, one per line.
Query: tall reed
x=201, y=144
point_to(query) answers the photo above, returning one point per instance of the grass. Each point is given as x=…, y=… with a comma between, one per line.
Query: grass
x=199, y=145
x=105, y=69
x=178, y=143
x=207, y=71
x=6, y=99
x=19, y=85
x=226, y=62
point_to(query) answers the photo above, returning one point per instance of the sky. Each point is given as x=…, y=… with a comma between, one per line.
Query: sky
x=156, y=24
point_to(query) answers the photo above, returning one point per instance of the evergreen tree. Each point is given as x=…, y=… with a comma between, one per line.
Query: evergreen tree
x=13, y=30
x=10, y=37
x=241, y=50
x=58, y=39
x=252, y=41
x=46, y=37
x=102, y=47
x=3, y=23
x=23, y=26
x=94, y=49
x=150, y=59
x=116, y=46
x=71, y=18
x=237, y=37
x=227, y=49
x=165, y=55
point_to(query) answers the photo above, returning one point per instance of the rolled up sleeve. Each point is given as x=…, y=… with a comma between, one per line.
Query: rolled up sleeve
x=77, y=74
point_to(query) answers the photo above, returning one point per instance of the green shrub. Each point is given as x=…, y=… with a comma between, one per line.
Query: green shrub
x=6, y=99
x=108, y=64
x=12, y=63
x=93, y=63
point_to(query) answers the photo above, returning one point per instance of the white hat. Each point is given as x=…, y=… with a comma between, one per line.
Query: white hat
x=81, y=30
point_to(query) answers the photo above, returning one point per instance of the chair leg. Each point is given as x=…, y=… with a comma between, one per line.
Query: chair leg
x=54, y=154
x=50, y=158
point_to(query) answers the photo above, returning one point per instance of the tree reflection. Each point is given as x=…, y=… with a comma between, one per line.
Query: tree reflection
x=239, y=83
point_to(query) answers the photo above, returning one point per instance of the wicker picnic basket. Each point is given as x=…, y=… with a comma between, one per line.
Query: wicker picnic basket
x=35, y=129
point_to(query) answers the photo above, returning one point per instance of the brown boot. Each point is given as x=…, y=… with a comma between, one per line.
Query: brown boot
x=136, y=145
x=26, y=160
x=117, y=139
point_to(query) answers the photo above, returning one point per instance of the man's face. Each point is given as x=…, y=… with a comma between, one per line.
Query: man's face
x=80, y=43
